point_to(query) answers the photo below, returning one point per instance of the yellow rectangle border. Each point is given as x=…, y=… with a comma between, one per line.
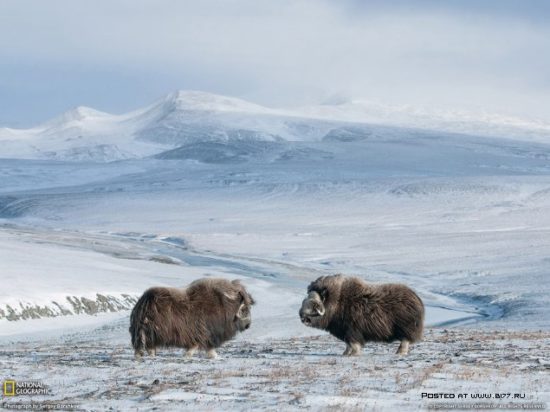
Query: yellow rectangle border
x=12, y=392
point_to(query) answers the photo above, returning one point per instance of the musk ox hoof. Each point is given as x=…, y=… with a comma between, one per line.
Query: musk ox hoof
x=351, y=353
x=403, y=348
x=353, y=349
x=211, y=354
x=190, y=352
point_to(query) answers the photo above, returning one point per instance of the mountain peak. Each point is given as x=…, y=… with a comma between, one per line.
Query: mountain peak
x=203, y=101
x=75, y=115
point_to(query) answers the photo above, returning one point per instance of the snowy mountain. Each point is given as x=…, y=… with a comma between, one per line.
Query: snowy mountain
x=478, y=123
x=195, y=119
x=178, y=119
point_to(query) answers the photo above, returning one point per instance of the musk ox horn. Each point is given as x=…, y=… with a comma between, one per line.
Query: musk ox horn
x=232, y=295
x=243, y=312
x=319, y=309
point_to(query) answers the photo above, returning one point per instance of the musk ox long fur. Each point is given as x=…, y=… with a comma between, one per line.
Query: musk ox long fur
x=203, y=316
x=357, y=312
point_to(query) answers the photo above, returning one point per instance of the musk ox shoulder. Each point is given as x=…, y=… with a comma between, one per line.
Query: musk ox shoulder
x=204, y=315
x=357, y=312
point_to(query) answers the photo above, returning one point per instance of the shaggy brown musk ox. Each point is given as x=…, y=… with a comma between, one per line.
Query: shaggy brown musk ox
x=357, y=312
x=203, y=315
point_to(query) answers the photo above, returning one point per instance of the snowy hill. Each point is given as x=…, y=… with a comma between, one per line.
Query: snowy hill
x=191, y=119
x=178, y=119
x=479, y=123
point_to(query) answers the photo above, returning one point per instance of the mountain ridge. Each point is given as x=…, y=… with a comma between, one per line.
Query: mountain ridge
x=190, y=117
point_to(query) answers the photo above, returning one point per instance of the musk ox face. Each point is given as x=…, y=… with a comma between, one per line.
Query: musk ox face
x=243, y=317
x=319, y=306
x=312, y=310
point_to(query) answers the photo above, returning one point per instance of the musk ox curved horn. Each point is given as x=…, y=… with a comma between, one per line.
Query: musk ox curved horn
x=233, y=295
x=243, y=313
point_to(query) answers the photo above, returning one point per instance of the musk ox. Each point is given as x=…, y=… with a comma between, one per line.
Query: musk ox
x=357, y=312
x=203, y=316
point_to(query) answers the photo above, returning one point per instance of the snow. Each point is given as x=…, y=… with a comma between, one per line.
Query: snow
x=202, y=101
x=123, y=265
x=458, y=121
x=447, y=215
x=286, y=374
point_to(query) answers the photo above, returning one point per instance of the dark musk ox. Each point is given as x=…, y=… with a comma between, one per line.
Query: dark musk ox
x=357, y=312
x=204, y=315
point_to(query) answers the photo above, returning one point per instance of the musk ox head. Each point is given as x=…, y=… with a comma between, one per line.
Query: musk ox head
x=239, y=295
x=321, y=302
x=312, y=310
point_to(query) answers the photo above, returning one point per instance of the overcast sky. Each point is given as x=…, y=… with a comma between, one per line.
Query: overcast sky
x=118, y=55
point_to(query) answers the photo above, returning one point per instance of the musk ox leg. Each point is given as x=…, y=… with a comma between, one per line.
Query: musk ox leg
x=191, y=351
x=140, y=345
x=211, y=353
x=403, y=347
x=152, y=352
x=347, y=352
x=356, y=349
x=353, y=349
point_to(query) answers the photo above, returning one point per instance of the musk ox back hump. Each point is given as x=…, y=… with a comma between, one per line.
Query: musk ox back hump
x=402, y=307
x=155, y=317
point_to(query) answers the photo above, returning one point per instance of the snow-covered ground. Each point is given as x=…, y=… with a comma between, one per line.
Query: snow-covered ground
x=464, y=220
x=94, y=369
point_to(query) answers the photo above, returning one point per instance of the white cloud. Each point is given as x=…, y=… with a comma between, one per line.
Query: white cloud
x=294, y=51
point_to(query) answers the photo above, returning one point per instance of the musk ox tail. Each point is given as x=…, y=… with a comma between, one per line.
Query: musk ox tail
x=140, y=326
x=419, y=323
x=415, y=329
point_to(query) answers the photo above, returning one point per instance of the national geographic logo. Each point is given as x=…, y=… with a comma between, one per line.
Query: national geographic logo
x=13, y=388
x=9, y=388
